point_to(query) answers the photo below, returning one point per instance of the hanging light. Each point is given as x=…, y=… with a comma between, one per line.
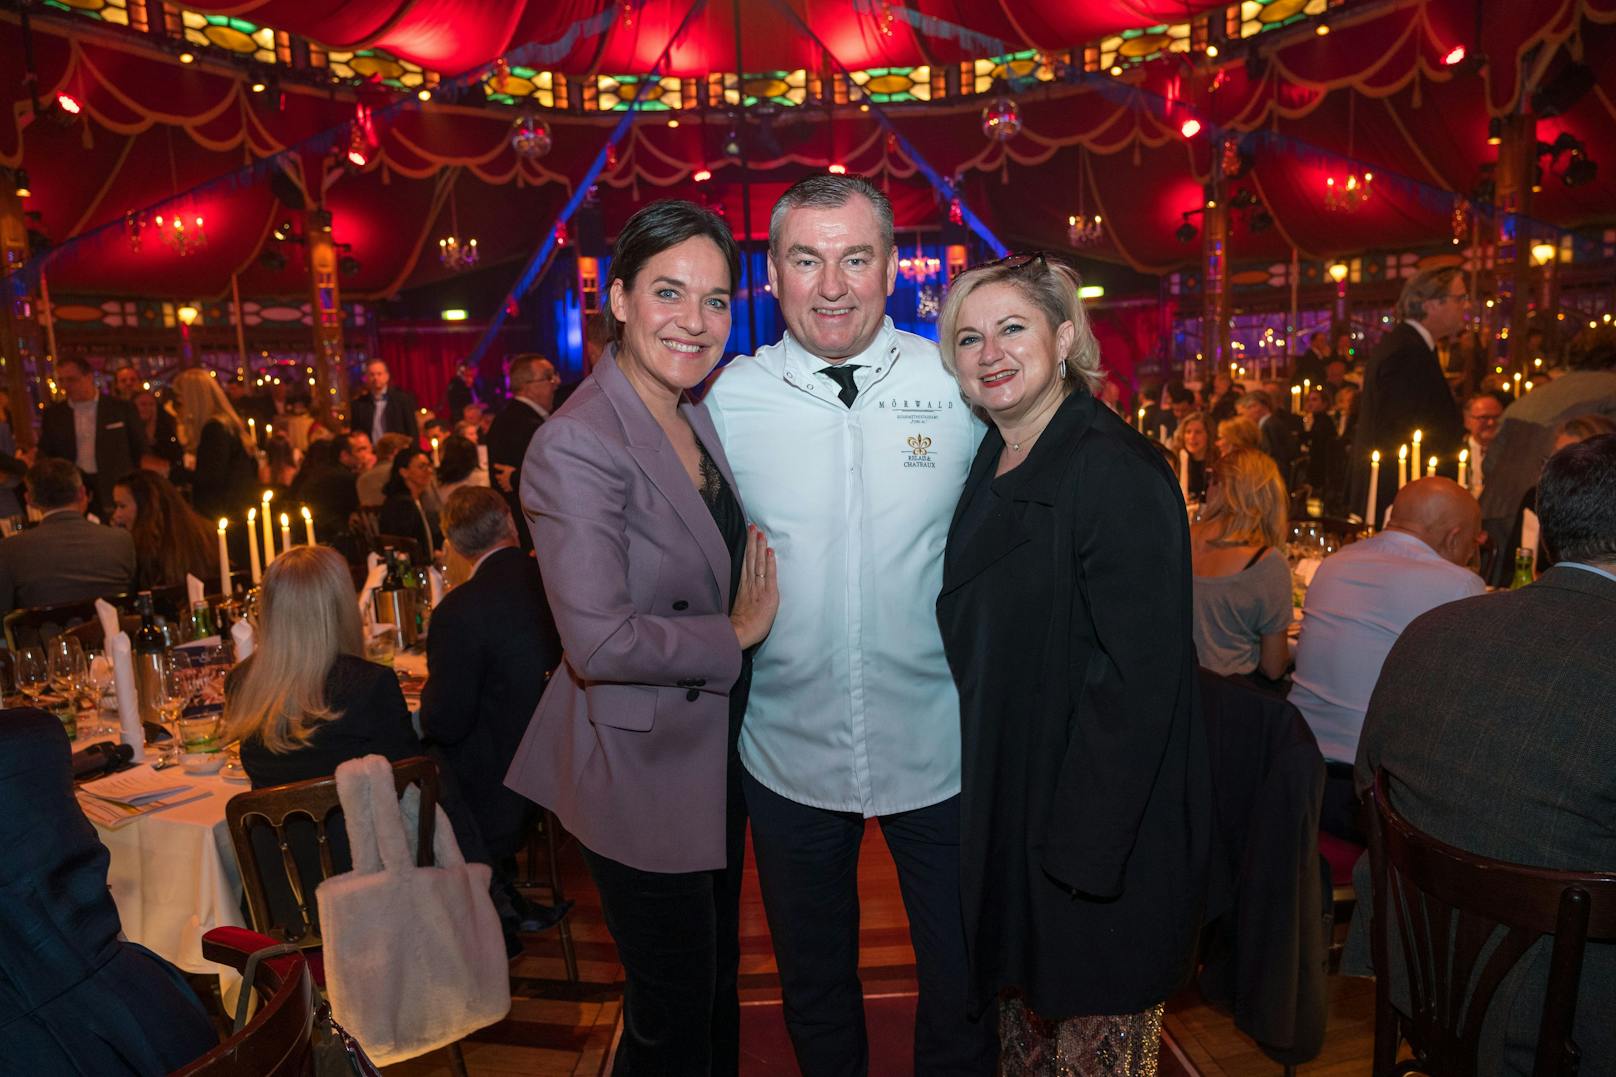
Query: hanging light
x=358, y=153
x=531, y=138
x=188, y=314
x=918, y=267
x=1001, y=119
x=1542, y=252
x=69, y=104
x=1454, y=56
x=837, y=169
x=20, y=180
x=1338, y=271
x=1084, y=231
x=1190, y=127
x=455, y=251
x=178, y=235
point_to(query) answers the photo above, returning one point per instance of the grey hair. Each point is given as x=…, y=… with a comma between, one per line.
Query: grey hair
x=1052, y=287
x=525, y=369
x=474, y=518
x=1423, y=287
x=830, y=191
x=1256, y=396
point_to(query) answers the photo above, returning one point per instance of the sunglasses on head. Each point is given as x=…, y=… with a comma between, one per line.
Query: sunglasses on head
x=1014, y=261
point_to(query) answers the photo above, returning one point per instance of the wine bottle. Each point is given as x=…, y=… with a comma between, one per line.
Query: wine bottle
x=151, y=652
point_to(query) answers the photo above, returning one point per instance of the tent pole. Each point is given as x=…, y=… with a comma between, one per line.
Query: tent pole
x=746, y=189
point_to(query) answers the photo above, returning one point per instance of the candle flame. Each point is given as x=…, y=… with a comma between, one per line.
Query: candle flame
x=224, y=522
x=286, y=521
x=307, y=515
x=252, y=514
x=1464, y=455
x=1374, y=457
x=269, y=495
x=1402, y=452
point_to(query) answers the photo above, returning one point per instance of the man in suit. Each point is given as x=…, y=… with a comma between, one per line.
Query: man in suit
x=489, y=655
x=533, y=381
x=1278, y=439
x=126, y=382
x=385, y=409
x=66, y=558
x=1311, y=364
x=101, y=434
x=1404, y=388
x=329, y=480
x=1493, y=717
x=462, y=392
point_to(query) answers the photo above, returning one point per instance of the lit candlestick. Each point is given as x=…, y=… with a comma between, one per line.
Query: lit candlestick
x=308, y=524
x=1419, y=436
x=252, y=430
x=252, y=545
x=1296, y=399
x=1402, y=466
x=269, y=431
x=1307, y=386
x=1184, y=474
x=1374, y=488
x=1464, y=468
x=224, y=558
x=1517, y=383
x=1141, y=430
x=1430, y=467
x=436, y=461
x=286, y=532
x=269, y=529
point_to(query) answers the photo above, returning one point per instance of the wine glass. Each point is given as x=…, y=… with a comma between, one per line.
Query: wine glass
x=69, y=670
x=33, y=672
x=173, y=693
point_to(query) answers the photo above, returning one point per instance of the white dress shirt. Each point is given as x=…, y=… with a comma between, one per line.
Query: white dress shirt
x=1359, y=602
x=1425, y=334
x=852, y=705
x=84, y=426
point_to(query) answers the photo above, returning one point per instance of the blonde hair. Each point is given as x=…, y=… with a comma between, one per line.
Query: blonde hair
x=308, y=615
x=1052, y=287
x=201, y=400
x=1249, y=497
x=1176, y=442
x=1240, y=434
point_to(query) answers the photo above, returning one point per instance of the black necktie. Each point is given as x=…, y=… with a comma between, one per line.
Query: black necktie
x=843, y=376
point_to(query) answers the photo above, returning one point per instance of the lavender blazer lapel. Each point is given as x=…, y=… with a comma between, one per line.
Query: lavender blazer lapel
x=655, y=457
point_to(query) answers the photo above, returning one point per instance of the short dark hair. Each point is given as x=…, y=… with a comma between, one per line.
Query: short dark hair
x=457, y=458
x=663, y=224
x=1593, y=349
x=78, y=361
x=1576, y=501
x=53, y=483
x=1178, y=394
x=474, y=518
x=401, y=463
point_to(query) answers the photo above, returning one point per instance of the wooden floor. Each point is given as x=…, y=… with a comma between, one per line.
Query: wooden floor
x=556, y=1028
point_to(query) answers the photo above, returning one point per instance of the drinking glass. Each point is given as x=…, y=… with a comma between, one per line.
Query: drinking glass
x=33, y=671
x=173, y=693
x=69, y=670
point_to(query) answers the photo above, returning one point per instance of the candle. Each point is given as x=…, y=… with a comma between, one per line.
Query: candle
x=1402, y=466
x=269, y=431
x=1184, y=474
x=286, y=532
x=269, y=529
x=435, y=440
x=436, y=461
x=1430, y=467
x=252, y=545
x=224, y=558
x=1296, y=399
x=1517, y=383
x=1464, y=468
x=1307, y=385
x=308, y=524
x=1419, y=436
x=1374, y=488
x=252, y=430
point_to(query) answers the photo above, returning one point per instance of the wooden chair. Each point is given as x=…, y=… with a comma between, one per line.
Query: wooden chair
x=1449, y=905
x=315, y=802
x=278, y=1041
x=40, y=624
x=547, y=829
x=91, y=636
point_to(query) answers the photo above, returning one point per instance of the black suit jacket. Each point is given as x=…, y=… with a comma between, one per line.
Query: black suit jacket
x=120, y=439
x=508, y=438
x=73, y=997
x=1280, y=442
x=490, y=653
x=456, y=397
x=1404, y=391
x=1086, y=821
x=1494, y=719
x=166, y=443
x=400, y=416
x=65, y=558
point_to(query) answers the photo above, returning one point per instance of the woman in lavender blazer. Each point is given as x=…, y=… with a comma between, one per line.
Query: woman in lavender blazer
x=659, y=590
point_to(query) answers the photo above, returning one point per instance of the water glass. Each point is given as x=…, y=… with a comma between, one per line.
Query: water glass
x=33, y=671
x=382, y=645
x=200, y=734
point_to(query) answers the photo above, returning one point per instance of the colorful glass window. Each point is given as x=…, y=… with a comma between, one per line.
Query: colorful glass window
x=615, y=93
x=233, y=35
x=546, y=89
x=361, y=65
x=980, y=75
x=786, y=88
x=1252, y=17
x=118, y=12
x=1142, y=46
x=894, y=85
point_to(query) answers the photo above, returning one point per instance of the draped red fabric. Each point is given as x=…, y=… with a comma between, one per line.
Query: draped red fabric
x=423, y=356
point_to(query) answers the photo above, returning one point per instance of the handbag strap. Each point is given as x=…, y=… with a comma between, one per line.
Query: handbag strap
x=387, y=816
x=358, y=814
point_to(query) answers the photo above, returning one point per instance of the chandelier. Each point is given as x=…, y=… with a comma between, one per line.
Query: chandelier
x=455, y=251
x=1001, y=119
x=918, y=267
x=531, y=138
x=1084, y=231
x=179, y=237
x=1349, y=193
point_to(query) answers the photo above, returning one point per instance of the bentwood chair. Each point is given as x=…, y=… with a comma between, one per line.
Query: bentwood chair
x=1463, y=923
x=283, y=837
x=279, y=1040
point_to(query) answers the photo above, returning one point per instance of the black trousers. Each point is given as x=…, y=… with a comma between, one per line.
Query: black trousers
x=808, y=869
x=678, y=937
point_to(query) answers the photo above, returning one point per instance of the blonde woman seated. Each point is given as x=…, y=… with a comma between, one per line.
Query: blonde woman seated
x=1238, y=434
x=1242, y=584
x=1194, y=436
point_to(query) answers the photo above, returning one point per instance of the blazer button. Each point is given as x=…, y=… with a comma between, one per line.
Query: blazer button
x=692, y=695
x=681, y=605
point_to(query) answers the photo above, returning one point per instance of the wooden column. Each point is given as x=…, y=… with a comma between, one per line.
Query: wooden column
x=16, y=308
x=1512, y=241
x=325, y=309
x=1215, y=285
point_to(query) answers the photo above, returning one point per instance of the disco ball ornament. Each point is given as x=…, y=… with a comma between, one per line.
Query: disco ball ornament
x=1001, y=120
x=530, y=138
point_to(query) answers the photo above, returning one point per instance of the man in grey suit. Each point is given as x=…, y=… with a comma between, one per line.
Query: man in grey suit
x=66, y=558
x=1495, y=718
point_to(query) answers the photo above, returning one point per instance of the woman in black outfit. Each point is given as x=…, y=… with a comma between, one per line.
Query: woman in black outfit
x=403, y=513
x=225, y=481
x=1065, y=611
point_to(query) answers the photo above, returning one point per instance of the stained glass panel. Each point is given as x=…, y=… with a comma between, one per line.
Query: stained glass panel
x=1257, y=16
x=233, y=35
x=613, y=93
x=392, y=70
x=117, y=12
x=894, y=85
x=1142, y=46
x=980, y=75
x=544, y=88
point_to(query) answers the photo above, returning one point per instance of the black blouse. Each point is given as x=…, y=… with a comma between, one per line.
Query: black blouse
x=726, y=511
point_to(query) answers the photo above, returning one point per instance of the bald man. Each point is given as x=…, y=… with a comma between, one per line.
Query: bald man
x=1359, y=602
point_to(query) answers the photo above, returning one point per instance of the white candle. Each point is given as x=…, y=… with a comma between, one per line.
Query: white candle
x=224, y=558
x=308, y=524
x=252, y=430
x=1184, y=474
x=1374, y=488
x=1464, y=468
x=1402, y=466
x=286, y=532
x=1430, y=467
x=252, y=545
x=269, y=431
x=1141, y=430
x=269, y=529
x=1296, y=399
x=1419, y=435
x=435, y=461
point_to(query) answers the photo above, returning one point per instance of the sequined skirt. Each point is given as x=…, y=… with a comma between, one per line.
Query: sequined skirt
x=1125, y=1045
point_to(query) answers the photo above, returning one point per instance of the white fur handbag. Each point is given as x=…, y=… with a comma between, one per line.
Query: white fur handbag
x=414, y=957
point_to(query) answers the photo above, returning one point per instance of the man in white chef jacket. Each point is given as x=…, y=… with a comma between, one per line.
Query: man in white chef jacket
x=850, y=445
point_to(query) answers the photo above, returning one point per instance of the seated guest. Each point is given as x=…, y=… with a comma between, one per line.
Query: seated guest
x=280, y=464
x=162, y=433
x=1238, y=434
x=490, y=653
x=1194, y=437
x=374, y=478
x=1318, y=443
x=1221, y=401
x=403, y=512
x=1571, y=432
x=1242, y=582
x=329, y=479
x=458, y=465
x=66, y=558
x=1345, y=411
x=171, y=540
x=470, y=430
x=74, y=997
x=226, y=475
x=1359, y=602
x=1335, y=377
x=1274, y=433
x=1482, y=413
x=1493, y=720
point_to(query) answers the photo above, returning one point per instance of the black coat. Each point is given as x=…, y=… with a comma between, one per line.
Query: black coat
x=1404, y=391
x=400, y=417
x=456, y=397
x=1280, y=441
x=74, y=998
x=1086, y=796
x=401, y=515
x=490, y=653
x=166, y=443
x=120, y=440
x=225, y=481
x=508, y=438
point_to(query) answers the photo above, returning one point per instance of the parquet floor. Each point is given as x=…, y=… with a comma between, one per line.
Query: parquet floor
x=557, y=1029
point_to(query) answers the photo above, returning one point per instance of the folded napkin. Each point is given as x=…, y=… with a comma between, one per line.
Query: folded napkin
x=109, y=622
x=242, y=633
x=436, y=585
x=130, y=731
x=194, y=590
x=1531, y=528
x=373, y=580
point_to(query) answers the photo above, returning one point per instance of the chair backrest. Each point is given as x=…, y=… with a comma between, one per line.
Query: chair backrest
x=1464, y=921
x=40, y=624
x=311, y=802
x=404, y=544
x=92, y=636
x=278, y=1041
